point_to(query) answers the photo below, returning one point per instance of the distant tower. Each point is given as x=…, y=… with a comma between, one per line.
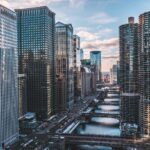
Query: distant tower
x=95, y=57
x=144, y=21
x=129, y=72
x=9, y=125
x=36, y=49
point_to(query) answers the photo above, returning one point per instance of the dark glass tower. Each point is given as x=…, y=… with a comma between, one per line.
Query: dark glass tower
x=129, y=72
x=36, y=49
x=64, y=58
x=144, y=21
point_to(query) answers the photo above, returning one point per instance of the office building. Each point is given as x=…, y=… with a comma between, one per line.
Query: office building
x=118, y=72
x=77, y=65
x=144, y=63
x=36, y=50
x=22, y=94
x=61, y=93
x=113, y=75
x=9, y=125
x=95, y=57
x=129, y=72
x=88, y=77
x=81, y=54
x=64, y=58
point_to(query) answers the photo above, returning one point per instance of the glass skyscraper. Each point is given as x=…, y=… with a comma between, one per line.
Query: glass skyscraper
x=95, y=57
x=77, y=65
x=9, y=126
x=81, y=54
x=144, y=21
x=36, y=50
x=129, y=71
x=64, y=58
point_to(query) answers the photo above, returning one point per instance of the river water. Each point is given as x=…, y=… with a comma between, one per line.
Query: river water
x=106, y=126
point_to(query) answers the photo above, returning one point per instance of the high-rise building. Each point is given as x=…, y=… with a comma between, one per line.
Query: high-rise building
x=9, y=125
x=95, y=57
x=36, y=50
x=129, y=72
x=77, y=65
x=64, y=58
x=88, y=77
x=81, y=54
x=144, y=21
x=22, y=94
x=118, y=72
x=113, y=74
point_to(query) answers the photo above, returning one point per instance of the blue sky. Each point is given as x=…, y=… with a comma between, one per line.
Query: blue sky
x=95, y=21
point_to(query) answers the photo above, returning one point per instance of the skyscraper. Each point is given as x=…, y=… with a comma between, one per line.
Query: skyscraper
x=81, y=54
x=64, y=58
x=77, y=65
x=113, y=74
x=36, y=49
x=95, y=57
x=22, y=94
x=144, y=21
x=9, y=125
x=129, y=72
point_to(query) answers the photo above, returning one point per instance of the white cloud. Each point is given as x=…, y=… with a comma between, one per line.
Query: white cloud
x=27, y=3
x=101, y=44
x=77, y=3
x=103, y=18
x=88, y=35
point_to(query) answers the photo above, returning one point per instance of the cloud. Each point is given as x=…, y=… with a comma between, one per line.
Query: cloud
x=103, y=18
x=27, y=3
x=101, y=44
x=88, y=35
x=77, y=3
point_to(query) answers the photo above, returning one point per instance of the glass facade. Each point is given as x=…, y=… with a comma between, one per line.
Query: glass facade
x=36, y=50
x=9, y=125
x=144, y=53
x=77, y=65
x=129, y=72
x=95, y=57
x=81, y=54
x=64, y=58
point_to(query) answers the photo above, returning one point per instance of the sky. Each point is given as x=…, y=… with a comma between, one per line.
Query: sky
x=95, y=21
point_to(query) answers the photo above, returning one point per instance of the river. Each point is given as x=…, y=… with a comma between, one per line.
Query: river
x=106, y=126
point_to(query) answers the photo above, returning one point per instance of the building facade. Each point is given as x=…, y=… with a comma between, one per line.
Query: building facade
x=88, y=77
x=144, y=63
x=9, y=125
x=113, y=75
x=129, y=72
x=22, y=94
x=64, y=59
x=81, y=54
x=95, y=57
x=36, y=50
x=77, y=65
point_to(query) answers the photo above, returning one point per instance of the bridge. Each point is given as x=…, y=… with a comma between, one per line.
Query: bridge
x=93, y=114
x=111, y=141
x=115, y=103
